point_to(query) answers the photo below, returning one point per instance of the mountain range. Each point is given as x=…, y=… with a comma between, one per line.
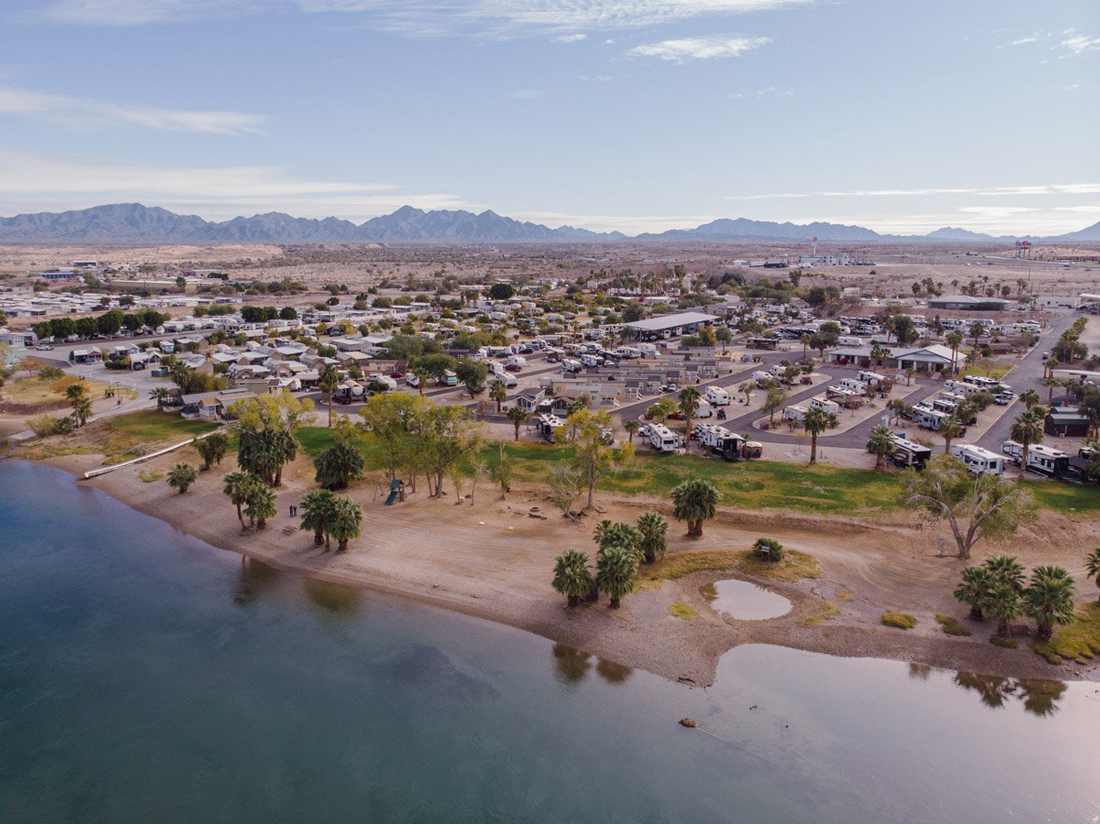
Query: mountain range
x=135, y=223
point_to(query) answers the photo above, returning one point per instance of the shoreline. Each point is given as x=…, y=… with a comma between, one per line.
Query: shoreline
x=512, y=588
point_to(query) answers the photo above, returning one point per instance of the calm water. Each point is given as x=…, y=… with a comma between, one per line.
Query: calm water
x=145, y=676
x=746, y=601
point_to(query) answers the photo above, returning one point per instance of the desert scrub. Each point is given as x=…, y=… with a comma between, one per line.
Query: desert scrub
x=794, y=566
x=149, y=476
x=898, y=620
x=826, y=612
x=951, y=626
x=998, y=641
x=1079, y=641
x=682, y=610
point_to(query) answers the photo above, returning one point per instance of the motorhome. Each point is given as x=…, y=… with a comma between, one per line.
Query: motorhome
x=852, y=385
x=980, y=382
x=648, y=350
x=448, y=378
x=848, y=340
x=978, y=461
x=761, y=377
x=795, y=413
x=570, y=365
x=831, y=407
x=719, y=441
x=873, y=378
x=704, y=410
x=717, y=396
x=1013, y=449
x=510, y=381
x=909, y=453
x=628, y=352
x=662, y=438
x=1047, y=461
x=516, y=362
x=961, y=388
x=546, y=425
x=929, y=418
x=590, y=360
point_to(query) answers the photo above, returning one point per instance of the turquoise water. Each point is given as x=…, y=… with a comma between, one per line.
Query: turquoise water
x=146, y=676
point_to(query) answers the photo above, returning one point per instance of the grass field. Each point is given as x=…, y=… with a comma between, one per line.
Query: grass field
x=120, y=437
x=988, y=369
x=748, y=484
x=1065, y=497
x=33, y=391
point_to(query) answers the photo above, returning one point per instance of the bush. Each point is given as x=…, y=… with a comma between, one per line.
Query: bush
x=951, y=626
x=44, y=425
x=50, y=373
x=998, y=641
x=898, y=620
x=768, y=549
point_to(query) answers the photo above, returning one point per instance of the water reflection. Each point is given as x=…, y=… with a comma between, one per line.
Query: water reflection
x=745, y=601
x=919, y=672
x=1039, y=696
x=254, y=578
x=335, y=599
x=613, y=672
x=570, y=665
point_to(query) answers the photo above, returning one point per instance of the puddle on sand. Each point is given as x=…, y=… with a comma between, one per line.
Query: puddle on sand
x=744, y=601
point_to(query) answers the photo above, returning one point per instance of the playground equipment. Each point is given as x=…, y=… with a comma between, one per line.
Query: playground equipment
x=397, y=491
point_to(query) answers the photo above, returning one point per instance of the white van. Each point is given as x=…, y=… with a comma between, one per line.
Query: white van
x=717, y=396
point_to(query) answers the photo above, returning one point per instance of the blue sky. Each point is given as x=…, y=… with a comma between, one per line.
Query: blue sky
x=628, y=114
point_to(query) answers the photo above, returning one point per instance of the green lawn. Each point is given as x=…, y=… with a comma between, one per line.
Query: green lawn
x=156, y=426
x=994, y=370
x=1065, y=497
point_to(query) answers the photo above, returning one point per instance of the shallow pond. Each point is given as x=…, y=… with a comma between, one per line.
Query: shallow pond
x=745, y=601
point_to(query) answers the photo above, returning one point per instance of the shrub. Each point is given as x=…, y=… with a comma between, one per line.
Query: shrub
x=898, y=620
x=951, y=626
x=998, y=641
x=768, y=549
x=44, y=425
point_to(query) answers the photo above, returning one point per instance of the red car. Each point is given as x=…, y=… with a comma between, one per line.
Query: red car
x=513, y=367
x=396, y=374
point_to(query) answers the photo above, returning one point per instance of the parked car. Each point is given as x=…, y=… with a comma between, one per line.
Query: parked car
x=44, y=347
x=397, y=374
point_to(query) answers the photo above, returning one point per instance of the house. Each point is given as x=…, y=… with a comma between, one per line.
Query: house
x=933, y=358
x=86, y=356
x=211, y=406
x=529, y=400
x=142, y=360
x=667, y=326
x=1065, y=422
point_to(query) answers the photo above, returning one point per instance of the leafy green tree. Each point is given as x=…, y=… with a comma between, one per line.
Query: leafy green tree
x=260, y=505
x=594, y=452
x=616, y=567
x=1092, y=566
x=181, y=476
x=212, y=449
x=774, y=400
x=1048, y=599
x=986, y=506
x=345, y=523
x=694, y=501
x=317, y=507
x=881, y=445
x=974, y=589
x=660, y=410
x=338, y=466
x=472, y=374
x=815, y=421
x=653, y=536
x=572, y=577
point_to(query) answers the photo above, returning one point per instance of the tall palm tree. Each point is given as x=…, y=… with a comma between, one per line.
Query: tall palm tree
x=881, y=445
x=974, y=588
x=327, y=381
x=160, y=395
x=694, y=501
x=1051, y=383
x=82, y=409
x=689, y=405
x=260, y=505
x=571, y=576
x=653, y=532
x=237, y=486
x=949, y=429
x=498, y=392
x=1026, y=430
x=615, y=570
x=518, y=417
x=631, y=426
x=1049, y=599
x=1092, y=566
x=1003, y=603
x=815, y=421
x=954, y=340
x=346, y=522
x=317, y=506
x=1030, y=398
x=422, y=376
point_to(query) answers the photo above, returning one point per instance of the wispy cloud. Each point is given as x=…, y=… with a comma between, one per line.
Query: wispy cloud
x=767, y=91
x=509, y=17
x=27, y=178
x=995, y=191
x=571, y=38
x=527, y=94
x=83, y=114
x=1079, y=44
x=699, y=48
x=1023, y=41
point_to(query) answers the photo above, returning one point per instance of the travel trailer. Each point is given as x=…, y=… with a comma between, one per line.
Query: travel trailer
x=909, y=453
x=662, y=438
x=979, y=461
x=719, y=441
x=716, y=396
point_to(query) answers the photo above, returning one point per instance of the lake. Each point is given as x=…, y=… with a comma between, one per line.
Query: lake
x=147, y=676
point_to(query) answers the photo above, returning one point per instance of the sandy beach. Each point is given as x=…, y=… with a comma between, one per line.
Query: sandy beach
x=492, y=558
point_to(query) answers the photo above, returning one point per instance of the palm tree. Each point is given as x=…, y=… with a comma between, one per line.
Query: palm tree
x=631, y=426
x=949, y=429
x=615, y=570
x=1092, y=566
x=498, y=392
x=805, y=341
x=1030, y=398
x=1049, y=599
x=881, y=445
x=317, y=505
x=1026, y=430
x=327, y=381
x=609, y=534
x=181, y=476
x=694, y=501
x=212, y=449
x=976, y=584
x=422, y=376
x=518, y=417
x=1003, y=603
x=1051, y=383
x=977, y=329
x=1006, y=570
x=260, y=505
x=160, y=395
x=338, y=466
x=237, y=486
x=689, y=405
x=954, y=340
x=571, y=576
x=346, y=522
x=82, y=409
x=815, y=421
x=653, y=532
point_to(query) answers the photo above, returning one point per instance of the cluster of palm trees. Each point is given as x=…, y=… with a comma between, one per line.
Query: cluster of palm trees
x=331, y=516
x=252, y=496
x=264, y=452
x=81, y=403
x=999, y=588
x=693, y=502
x=622, y=547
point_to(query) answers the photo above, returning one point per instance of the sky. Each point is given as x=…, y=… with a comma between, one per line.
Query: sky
x=636, y=115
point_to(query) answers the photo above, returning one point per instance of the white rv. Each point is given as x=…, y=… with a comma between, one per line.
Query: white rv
x=795, y=413
x=1046, y=460
x=717, y=396
x=720, y=441
x=978, y=461
x=909, y=453
x=827, y=405
x=570, y=365
x=872, y=378
x=662, y=438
